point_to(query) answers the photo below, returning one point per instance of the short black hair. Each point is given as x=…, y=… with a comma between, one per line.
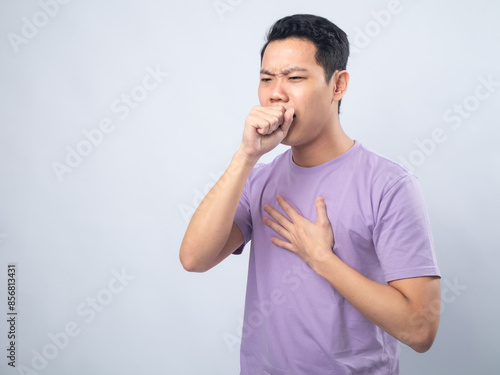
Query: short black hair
x=332, y=45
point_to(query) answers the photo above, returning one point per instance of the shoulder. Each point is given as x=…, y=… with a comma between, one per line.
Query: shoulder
x=380, y=163
x=380, y=170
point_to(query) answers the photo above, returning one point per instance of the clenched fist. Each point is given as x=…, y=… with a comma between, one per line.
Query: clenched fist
x=265, y=128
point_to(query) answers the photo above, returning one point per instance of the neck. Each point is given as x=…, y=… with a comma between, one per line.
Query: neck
x=322, y=149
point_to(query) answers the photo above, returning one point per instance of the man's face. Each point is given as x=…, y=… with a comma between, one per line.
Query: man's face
x=291, y=77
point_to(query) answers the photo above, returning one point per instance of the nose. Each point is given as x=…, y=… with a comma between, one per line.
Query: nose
x=278, y=92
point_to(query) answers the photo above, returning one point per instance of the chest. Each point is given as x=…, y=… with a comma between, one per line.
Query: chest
x=351, y=208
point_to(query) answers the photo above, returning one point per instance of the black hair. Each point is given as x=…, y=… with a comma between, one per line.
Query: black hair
x=332, y=46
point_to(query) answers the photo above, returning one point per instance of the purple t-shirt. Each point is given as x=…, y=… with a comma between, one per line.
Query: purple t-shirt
x=295, y=321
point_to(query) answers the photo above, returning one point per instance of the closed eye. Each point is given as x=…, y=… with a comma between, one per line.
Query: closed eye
x=296, y=78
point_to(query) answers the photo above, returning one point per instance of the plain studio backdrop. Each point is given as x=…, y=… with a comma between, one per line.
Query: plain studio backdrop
x=118, y=116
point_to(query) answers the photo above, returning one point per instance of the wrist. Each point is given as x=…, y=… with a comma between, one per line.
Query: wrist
x=324, y=264
x=244, y=157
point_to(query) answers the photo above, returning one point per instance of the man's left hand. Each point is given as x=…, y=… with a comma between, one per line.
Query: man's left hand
x=312, y=241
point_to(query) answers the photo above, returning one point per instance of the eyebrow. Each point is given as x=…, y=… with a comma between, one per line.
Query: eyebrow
x=285, y=72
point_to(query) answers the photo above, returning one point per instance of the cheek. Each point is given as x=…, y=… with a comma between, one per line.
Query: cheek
x=322, y=102
x=311, y=104
x=260, y=94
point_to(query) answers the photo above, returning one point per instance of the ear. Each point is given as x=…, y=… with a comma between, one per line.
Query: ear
x=341, y=81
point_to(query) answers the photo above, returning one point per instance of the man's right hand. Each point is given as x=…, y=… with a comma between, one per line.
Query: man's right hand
x=265, y=128
x=211, y=235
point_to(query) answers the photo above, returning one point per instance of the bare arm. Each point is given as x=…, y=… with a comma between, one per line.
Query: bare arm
x=407, y=309
x=211, y=235
x=212, y=225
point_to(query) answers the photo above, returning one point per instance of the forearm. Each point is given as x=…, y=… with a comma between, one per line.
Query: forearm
x=208, y=237
x=411, y=322
x=408, y=309
x=212, y=221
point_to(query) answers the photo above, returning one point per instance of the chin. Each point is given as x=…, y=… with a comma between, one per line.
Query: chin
x=285, y=142
x=290, y=140
x=292, y=137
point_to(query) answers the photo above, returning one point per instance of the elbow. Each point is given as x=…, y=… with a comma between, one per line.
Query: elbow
x=422, y=347
x=190, y=263
x=423, y=340
x=191, y=266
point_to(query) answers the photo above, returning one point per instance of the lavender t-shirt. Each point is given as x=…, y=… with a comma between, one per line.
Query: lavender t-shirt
x=295, y=321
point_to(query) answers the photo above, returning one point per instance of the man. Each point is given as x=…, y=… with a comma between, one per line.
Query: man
x=342, y=262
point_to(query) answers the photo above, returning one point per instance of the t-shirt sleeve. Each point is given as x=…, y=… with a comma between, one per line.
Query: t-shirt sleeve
x=402, y=234
x=243, y=219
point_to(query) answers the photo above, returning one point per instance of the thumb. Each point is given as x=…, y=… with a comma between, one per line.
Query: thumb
x=321, y=211
x=288, y=119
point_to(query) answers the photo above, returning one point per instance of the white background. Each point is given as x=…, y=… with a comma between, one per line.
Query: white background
x=124, y=206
